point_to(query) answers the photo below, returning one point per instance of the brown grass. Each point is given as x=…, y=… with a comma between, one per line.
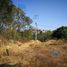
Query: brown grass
x=34, y=54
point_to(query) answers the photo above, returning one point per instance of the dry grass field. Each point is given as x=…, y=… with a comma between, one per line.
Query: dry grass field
x=52, y=53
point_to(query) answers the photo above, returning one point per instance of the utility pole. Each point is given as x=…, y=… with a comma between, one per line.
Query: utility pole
x=36, y=17
x=36, y=31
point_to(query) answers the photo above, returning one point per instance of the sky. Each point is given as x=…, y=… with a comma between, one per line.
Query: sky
x=51, y=14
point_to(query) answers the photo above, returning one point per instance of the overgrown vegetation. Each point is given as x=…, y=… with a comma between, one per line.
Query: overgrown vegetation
x=12, y=19
x=52, y=53
x=16, y=29
x=14, y=24
x=46, y=35
x=60, y=33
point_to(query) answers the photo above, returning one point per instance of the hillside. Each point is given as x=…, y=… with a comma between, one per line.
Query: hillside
x=33, y=54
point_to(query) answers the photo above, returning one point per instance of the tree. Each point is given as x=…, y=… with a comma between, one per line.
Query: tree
x=10, y=15
x=60, y=33
x=5, y=11
x=12, y=18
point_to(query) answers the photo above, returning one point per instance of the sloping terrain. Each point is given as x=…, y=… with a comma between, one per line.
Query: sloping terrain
x=34, y=54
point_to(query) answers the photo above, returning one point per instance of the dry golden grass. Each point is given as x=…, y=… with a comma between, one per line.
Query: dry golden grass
x=52, y=53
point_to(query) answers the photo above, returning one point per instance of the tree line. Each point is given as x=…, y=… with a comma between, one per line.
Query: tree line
x=14, y=24
x=59, y=33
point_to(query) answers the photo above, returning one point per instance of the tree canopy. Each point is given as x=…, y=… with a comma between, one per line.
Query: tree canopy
x=11, y=15
x=12, y=18
x=60, y=33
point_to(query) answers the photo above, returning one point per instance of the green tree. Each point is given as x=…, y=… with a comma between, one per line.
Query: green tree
x=5, y=15
x=12, y=19
x=60, y=33
x=5, y=12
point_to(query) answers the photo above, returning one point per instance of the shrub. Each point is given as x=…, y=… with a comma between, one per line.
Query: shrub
x=60, y=33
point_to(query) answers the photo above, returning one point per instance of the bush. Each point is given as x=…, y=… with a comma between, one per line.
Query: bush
x=42, y=36
x=26, y=35
x=60, y=33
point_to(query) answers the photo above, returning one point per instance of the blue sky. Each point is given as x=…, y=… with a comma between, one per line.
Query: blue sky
x=52, y=13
